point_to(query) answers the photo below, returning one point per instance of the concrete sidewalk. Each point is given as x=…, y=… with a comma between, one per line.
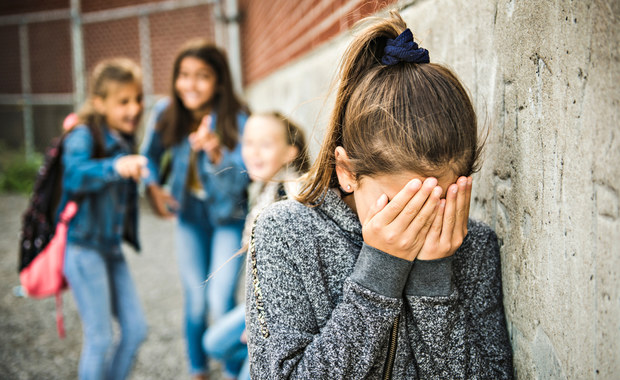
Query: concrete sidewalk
x=29, y=345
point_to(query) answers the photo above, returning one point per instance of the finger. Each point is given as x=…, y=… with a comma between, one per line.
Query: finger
x=433, y=206
x=423, y=220
x=412, y=208
x=398, y=203
x=376, y=207
x=449, y=218
x=468, y=200
x=434, y=232
x=461, y=208
x=142, y=161
x=205, y=123
x=171, y=202
x=144, y=172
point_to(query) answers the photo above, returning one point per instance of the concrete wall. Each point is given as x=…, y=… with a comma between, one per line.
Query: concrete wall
x=545, y=80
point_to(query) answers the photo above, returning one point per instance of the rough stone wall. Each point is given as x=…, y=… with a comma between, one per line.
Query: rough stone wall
x=545, y=79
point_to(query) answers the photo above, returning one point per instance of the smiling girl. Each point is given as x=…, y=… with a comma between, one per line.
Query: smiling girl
x=200, y=125
x=100, y=172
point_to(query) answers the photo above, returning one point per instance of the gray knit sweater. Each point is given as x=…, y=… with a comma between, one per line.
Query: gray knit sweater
x=323, y=305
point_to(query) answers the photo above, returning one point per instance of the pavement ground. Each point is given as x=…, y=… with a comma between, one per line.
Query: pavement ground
x=29, y=344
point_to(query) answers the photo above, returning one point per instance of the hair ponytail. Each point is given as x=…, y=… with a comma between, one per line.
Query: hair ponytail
x=397, y=117
x=361, y=56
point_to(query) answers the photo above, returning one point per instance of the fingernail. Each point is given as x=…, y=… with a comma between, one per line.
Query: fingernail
x=430, y=182
x=470, y=181
x=437, y=191
x=381, y=199
x=454, y=188
x=415, y=184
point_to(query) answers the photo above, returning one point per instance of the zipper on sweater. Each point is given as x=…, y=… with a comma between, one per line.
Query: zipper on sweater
x=389, y=364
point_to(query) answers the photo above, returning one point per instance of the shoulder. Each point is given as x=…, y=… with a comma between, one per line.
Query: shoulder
x=161, y=105
x=480, y=249
x=242, y=117
x=79, y=134
x=287, y=217
x=480, y=232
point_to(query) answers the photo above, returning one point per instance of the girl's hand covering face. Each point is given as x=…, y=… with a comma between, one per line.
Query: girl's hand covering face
x=400, y=227
x=449, y=227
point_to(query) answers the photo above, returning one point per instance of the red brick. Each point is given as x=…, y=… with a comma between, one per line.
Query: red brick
x=10, y=72
x=11, y=7
x=169, y=30
x=50, y=57
x=98, y=5
x=118, y=38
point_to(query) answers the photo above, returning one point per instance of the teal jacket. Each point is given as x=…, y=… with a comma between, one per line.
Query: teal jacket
x=108, y=203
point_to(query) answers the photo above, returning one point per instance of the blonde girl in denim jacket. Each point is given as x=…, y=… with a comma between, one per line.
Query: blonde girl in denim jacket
x=100, y=173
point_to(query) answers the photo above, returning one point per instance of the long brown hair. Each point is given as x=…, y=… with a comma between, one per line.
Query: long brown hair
x=114, y=70
x=389, y=119
x=177, y=120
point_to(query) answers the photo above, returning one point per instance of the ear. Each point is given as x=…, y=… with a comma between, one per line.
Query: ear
x=98, y=104
x=291, y=153
x=346, y=179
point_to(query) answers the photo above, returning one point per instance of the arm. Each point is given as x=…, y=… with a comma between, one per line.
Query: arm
x=229, y=173
x=457, y=321
x=82, y=173
x=351, y=342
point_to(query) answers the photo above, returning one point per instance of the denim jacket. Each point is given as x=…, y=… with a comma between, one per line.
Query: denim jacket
x=107, y=210
x=224, y=184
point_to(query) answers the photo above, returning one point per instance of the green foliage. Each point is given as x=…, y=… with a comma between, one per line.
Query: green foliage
x=17, y=174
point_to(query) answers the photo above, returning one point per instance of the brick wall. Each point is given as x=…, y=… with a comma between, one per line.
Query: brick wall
x=10, y=75
x=110, y=28
x=169, y=30
x=276, y=32
x=116, y=38
x=11, y=7
x=49, y=45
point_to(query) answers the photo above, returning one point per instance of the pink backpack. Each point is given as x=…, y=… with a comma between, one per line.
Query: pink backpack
x=43, y=277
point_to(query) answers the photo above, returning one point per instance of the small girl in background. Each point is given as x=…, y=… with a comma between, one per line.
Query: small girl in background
x=100, y=174
x=375, y=271
x=275, y=154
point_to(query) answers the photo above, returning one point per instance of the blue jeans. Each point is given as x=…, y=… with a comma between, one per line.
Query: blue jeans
x=202, y=251
x=103, y=289
x=223, y=342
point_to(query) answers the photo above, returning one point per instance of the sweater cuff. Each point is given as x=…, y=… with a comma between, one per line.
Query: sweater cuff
x=381, y=272
x=431, y=278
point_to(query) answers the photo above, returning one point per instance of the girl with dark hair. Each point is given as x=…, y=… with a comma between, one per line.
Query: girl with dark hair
x=200, y=125
x=100, y=173
x=376, y=271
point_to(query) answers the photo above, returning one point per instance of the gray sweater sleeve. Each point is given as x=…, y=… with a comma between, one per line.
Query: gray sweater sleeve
x=284, y=340
x=455, y=315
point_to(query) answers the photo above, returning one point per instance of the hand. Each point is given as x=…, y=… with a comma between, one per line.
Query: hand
x=161, y=201
x=132, y=166
x=204, y=139
x=399, y=227
x=450, y=225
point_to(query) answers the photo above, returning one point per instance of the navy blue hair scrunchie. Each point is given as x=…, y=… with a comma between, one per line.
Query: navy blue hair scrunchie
x=404, y=49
